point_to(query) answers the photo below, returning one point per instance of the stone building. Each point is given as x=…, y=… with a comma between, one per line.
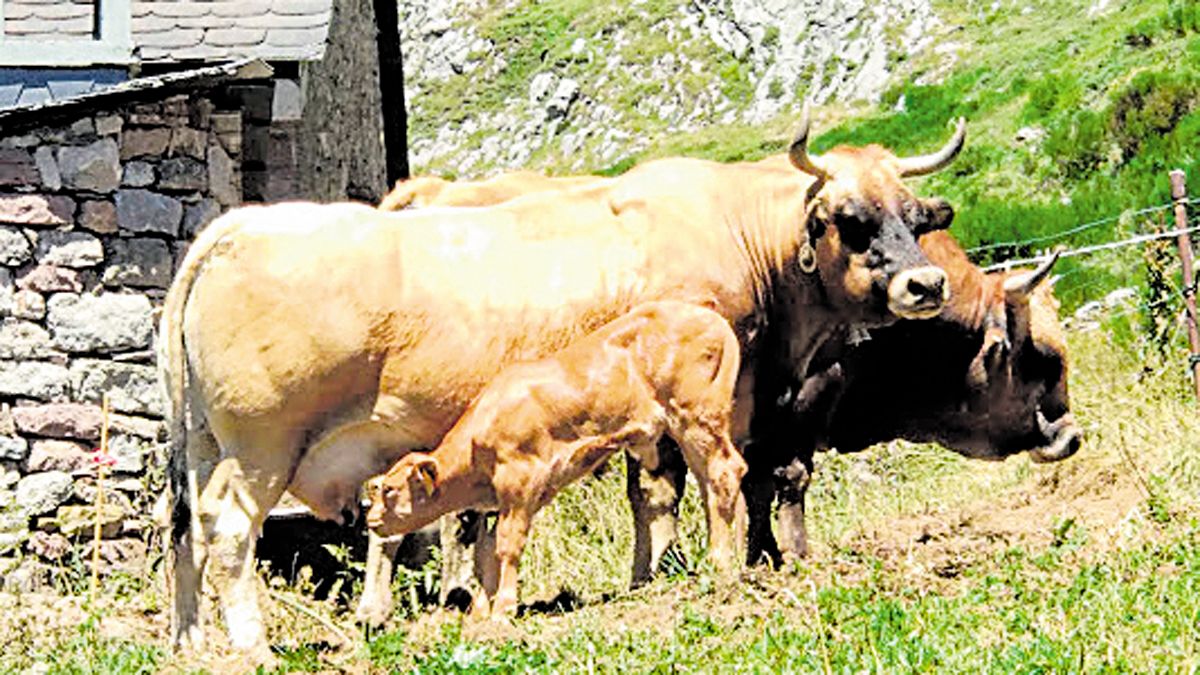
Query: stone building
x=125, y=127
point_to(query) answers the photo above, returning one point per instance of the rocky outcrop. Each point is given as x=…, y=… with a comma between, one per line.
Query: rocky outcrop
x=660, y=69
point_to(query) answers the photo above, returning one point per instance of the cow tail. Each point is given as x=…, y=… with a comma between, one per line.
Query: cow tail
x=173, y=371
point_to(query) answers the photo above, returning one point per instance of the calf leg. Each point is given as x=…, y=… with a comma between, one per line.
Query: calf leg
x=791, y=485
x=376, y=603
x=654, y=497
x=719, y=469
x=512, y=529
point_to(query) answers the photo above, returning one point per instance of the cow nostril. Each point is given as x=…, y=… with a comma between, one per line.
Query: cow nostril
x=929, y=286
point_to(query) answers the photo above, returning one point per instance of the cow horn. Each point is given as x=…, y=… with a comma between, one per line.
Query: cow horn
x=1022, y=285
x=923, y=164
x=798, y=150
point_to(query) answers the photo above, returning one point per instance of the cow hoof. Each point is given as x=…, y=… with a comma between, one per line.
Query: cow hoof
x=372, y=613
x=190, y=639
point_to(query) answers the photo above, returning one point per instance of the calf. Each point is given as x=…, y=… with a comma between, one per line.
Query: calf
x=663, y=367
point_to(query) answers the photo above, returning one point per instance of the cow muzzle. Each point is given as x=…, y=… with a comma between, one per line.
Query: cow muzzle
x=1065, y=439
x=918, y=293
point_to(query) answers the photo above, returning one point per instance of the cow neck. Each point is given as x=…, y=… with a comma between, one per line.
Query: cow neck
x=462, y=479
x=767, y=225
x=971, y=290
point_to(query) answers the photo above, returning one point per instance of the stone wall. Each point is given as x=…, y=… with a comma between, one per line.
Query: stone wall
x=94, y=212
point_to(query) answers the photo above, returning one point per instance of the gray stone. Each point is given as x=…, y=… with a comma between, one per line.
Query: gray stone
x=99, y=217
x=30, y=576
x=99, y=323
x=108, y=125
x=50, y=279
x=130, y=452
x=40, y=493
x=223, y=181
x=138, y=174
x=196, y=216
x=69, y=249
x=52, y=454
x=183, y=174
x=45, y=210
x=132, y=388
x=13, y=448
x=153, y=430
x=48, y=167
x=59, y=420
x=288, y=102
x=7, y=292
x=143, y=263
x=127, y=556
x=17, y=168
x=564, y=95
x=49, y=545
x=34, y=379
x=187, y=141
x=14, y=247
x=144, y=211
x=72, y=520
x=10, y=542
x=138, y=142
x=29, y=305
x=24, y=340
x=7, y=426
x=95, y=167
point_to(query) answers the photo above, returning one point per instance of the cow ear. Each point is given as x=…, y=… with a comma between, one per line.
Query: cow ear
x=941, y=214
x=425, y=471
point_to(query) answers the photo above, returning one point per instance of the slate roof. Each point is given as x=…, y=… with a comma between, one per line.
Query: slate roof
x=165, y=31
x=187, y=80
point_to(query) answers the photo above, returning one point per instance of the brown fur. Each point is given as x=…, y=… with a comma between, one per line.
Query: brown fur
x=539, y=426
x=425, y=191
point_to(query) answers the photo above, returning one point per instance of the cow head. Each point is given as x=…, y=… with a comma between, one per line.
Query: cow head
x=403, y=499
x=986, y=378
x=1017, y=382
x=862, y=223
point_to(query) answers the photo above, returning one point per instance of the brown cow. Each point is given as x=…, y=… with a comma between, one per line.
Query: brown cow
x=973, y=383
x=307, y=347
x=665, y=367
x=424, y=191
x=987, y=378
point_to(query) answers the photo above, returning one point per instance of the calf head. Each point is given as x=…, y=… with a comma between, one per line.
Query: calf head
x=862, y=222
x=403, y=499
x=986, y=378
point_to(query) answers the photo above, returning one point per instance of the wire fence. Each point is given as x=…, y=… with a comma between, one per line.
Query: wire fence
x=1042, y=240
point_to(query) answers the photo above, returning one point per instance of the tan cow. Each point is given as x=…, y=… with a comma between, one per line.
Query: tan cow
x=424, y=191
x=665, y=367
x=307, y=347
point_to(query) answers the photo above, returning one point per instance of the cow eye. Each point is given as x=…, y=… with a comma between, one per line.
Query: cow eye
x=854, y=231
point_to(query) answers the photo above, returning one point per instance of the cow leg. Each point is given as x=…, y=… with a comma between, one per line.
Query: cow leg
x=654, y=497
x=460, y=537
x=791, y=485
x=185, y=545
x=376, y=603
x=512, y=529
x=758, y=488
x=486, y=565
x=233, y=505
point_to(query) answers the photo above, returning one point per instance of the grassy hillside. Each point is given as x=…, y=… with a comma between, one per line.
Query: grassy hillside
x=1073, y=115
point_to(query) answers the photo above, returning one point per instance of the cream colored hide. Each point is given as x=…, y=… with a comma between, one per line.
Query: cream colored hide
x=665, y=367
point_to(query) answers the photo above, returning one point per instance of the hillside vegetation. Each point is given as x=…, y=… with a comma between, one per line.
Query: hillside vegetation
x=1077, y=108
